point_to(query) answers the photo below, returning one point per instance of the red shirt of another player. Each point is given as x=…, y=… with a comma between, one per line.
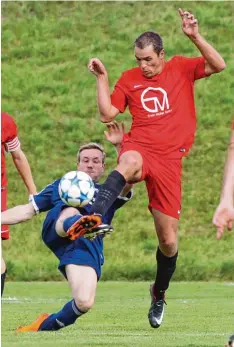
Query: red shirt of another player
x=9, y=142
x=162, y=108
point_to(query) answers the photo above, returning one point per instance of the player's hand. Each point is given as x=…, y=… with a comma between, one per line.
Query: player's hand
x=96, y=67
x=115, y=132
x=223, y=218
x=189, y=23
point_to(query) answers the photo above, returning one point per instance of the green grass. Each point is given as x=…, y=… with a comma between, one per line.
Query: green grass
x=46, y=47
x=197, y=315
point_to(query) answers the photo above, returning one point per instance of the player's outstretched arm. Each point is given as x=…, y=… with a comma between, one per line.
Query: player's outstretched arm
x=18, y=214
x=23, y=167
x=224, y=214
x=107, y=111
x=214, y=62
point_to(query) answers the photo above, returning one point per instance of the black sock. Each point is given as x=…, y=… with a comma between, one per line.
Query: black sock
x=165, y=268
x=3, y=276
x=108, y=193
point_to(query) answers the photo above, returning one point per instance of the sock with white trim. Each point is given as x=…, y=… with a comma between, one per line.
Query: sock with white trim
x=67, y=316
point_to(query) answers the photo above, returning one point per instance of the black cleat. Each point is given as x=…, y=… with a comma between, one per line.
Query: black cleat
x=102, y=229
x=156, y=311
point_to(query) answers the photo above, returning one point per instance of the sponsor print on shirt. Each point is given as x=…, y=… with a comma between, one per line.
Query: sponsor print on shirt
x=155, y=101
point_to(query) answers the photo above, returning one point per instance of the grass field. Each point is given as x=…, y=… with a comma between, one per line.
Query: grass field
x=198, y=314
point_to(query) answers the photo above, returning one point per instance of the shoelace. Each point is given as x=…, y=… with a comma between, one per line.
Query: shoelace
x=159, y=303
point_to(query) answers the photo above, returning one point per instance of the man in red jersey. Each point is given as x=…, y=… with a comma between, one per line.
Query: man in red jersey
x=224, y=214
x=160, y=97
x=10, y=143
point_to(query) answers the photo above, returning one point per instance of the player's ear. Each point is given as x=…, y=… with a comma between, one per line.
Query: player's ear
x=161, y=54
x=103, y=167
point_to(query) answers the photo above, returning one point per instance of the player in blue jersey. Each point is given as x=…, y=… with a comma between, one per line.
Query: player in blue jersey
x=80, y=260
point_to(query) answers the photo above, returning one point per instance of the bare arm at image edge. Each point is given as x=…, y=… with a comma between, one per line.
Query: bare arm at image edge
x=224, y=214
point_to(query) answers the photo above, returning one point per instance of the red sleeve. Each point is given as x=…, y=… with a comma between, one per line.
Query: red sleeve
x=118, y=96
x=194, y=67
x=12, y=142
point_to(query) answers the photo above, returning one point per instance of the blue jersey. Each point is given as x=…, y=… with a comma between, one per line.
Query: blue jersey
x=49, y=200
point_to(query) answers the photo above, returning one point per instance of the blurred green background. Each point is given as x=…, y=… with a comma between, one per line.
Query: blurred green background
x=47, y=88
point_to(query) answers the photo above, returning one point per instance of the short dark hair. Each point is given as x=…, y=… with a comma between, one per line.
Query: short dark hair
x=92, y=145
x=149, y=38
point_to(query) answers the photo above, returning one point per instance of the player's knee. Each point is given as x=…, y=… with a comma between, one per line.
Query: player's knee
x=131, y=162
x=84, y=303
x=168, y=243
x=168, y=246
x=130, y=165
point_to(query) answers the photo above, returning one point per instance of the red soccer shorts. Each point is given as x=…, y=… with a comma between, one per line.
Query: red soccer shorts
x=4, y=228
x=163, y=180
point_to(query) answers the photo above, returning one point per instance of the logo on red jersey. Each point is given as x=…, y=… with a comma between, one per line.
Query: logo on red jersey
x=155, y=100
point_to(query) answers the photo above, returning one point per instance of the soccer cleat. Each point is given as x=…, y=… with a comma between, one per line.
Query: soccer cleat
x=82, y=225
x=34, y=326
x=102, y=229
x=156, y=311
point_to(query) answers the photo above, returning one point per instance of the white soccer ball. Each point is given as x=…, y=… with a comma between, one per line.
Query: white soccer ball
x=76, y=188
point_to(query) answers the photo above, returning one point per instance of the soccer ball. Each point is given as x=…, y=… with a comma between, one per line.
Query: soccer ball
x=76, y=188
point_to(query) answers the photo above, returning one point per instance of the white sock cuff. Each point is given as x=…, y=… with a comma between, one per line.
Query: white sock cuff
x=77, y=311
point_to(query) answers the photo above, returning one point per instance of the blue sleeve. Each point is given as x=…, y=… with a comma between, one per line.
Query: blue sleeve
x=43, y=201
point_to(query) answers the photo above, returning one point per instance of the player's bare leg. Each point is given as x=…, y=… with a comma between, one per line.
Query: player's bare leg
x=83, y=291
x=65, y=213
x=166, y=256
x=167, y=232
x=83, y=283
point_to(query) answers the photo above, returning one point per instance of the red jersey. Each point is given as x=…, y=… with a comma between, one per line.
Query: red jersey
x=162, y=108
x=10, y=142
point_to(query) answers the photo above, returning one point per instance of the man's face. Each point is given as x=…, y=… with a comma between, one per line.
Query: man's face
x=91, y=162
x=149, y=61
